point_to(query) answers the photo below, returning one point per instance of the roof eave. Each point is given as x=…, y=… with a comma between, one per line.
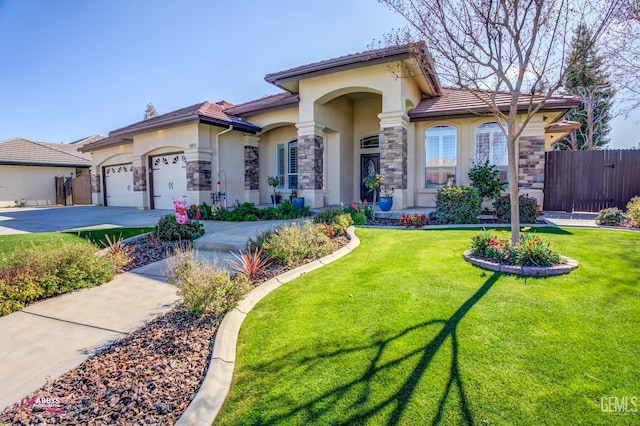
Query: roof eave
x=242, y=126
x=153, y=126
x=475, y=112
x=282, y=104
x=41, y=164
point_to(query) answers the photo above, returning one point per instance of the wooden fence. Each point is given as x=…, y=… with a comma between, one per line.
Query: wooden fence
x=590, y=180
x=70, y=191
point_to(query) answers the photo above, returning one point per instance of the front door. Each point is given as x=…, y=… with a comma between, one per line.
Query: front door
x=369, y=163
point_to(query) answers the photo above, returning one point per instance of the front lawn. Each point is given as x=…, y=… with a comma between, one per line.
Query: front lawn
x=404, y=331
x=96, y=236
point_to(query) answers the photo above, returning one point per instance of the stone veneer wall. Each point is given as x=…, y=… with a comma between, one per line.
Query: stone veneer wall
x=199, y=176
x=95, y=183
x=531, y=163
x=310, y=151
x=140, y=178
x=393, y=156
x=251, y=168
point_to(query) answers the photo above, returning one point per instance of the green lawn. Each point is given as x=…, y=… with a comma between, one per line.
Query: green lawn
x=404, y=331
x=96, y=236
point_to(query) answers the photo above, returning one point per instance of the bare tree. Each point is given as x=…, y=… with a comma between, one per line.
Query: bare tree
x=495, y=47
x=150, y=111
x=589, y=137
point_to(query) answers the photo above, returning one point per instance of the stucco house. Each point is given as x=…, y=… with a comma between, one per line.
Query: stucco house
x=28, y=169
x=333, y=122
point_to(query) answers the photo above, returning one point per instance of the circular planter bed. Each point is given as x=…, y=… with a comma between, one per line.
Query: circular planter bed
x=565, y=267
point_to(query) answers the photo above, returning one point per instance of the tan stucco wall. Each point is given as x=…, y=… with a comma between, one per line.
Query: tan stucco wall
x=267, y=154
x=34, y=184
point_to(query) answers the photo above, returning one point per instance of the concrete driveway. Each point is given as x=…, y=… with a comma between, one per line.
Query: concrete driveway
x=58, y=218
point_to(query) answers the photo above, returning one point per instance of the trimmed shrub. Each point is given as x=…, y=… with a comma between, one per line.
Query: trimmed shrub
x=246, y=212
x=529, y=209
x=292, y=244
x=206, y=212
x=31, y=273
x=484, y=179
x=169, y=229
x=633, y=211
x=458, y=204
x=359, y=212
x=205, y=288
x=338, y=220
x=259, y=241
x=611, y=217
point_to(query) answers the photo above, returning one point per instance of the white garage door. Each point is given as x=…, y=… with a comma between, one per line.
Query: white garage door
x=169, y=180
x=119, y=185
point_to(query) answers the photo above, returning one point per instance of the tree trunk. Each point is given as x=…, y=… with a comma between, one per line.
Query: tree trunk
x=512, y=152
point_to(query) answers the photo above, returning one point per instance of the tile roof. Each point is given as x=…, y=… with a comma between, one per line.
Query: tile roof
x=19, y=151
x=265, y=103
x=460, y=102
x=207, y=112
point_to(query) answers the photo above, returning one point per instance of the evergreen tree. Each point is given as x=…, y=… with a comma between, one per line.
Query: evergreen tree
x=587, y=78
x=150, y=111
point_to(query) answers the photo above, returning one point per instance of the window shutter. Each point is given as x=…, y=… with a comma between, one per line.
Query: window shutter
x=280, y=164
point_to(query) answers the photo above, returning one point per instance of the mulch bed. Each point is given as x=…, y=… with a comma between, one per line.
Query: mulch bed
x=148, y=377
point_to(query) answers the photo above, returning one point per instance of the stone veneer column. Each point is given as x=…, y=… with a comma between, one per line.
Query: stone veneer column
x=393, y=155
x=139, y=178
x=531, y=167
x=96, y=185
x=251, y=169
x=310, y=167
x=199, y=175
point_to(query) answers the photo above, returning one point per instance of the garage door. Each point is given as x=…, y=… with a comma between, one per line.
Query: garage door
x=169, y=180
x=119, y=185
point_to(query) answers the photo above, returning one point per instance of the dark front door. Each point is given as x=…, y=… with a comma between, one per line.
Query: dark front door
x=368, y=163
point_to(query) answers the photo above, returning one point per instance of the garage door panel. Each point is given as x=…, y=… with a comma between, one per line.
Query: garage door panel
x=119, y=185
x=169, y=180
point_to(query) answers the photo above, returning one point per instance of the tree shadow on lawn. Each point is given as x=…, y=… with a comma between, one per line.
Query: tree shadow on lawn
x=396, y=403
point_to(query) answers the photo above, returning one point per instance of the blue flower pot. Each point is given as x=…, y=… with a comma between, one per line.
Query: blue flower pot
x=385, y=203
x=298, y=202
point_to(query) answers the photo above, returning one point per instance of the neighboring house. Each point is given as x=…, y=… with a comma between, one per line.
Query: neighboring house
x=28, y=169
x=335, y=121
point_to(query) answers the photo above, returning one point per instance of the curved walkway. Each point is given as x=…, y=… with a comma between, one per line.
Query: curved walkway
x=208, y=401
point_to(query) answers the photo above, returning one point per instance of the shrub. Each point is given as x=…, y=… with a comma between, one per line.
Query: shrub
x=359, y=212
x=611, y=216
x=292, y=244
x=337, y=219
x=413, y=220
x=484, y=179
x=259, y=241
x=119, y=253
x=245, y=212
x=529, y=251
x=633, y=211
x=31, y=273
x=205, y=211
x=193, y=212
x=532, y=251
x=458, y=204
x=490, y=246
x=529, y=209
x=169, y=229
x=251, y=264
x=205, y=288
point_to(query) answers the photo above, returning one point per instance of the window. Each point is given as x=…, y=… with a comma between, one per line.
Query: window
x=491, y=145
x=440, y=146
x=370, y=142
x=287, y=165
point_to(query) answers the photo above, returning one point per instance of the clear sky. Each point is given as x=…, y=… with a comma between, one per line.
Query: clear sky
x=74, y=68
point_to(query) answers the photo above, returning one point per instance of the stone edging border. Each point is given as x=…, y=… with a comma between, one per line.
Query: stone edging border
x=206, y=405
x=567, y=266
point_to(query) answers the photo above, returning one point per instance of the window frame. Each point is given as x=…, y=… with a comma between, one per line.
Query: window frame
x=442, y=131
x=284, y=165
x=491, y=128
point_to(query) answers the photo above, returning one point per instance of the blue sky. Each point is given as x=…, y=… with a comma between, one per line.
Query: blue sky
x=74, y=68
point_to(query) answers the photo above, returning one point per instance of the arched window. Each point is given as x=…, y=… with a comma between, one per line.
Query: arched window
x=287, y=165
x=440, y=147
x=491, y=146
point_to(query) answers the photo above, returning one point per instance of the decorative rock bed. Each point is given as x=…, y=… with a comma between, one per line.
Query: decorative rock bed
x=565, y=267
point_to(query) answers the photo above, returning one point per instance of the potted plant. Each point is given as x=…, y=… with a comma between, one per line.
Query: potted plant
x=372, y=183
x=293, y=195
x=274, y=182
x=386, y=198
x=298, y=201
